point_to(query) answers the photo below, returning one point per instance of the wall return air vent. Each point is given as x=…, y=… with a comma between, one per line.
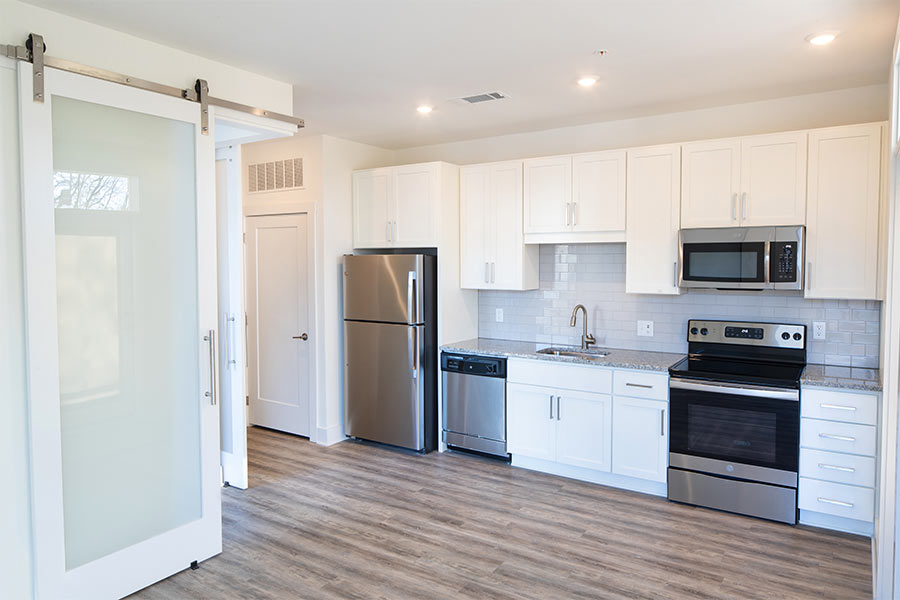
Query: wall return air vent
x=275, y=176
x=485, y=97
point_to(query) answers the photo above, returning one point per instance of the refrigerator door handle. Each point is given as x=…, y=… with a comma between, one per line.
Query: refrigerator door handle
x=414, y=351
x=412, y=299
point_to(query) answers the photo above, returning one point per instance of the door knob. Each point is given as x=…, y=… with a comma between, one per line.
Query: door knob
x=302, y=336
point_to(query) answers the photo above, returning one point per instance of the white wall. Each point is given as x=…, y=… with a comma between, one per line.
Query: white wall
x=93, y=45
x=15, y=532
x=841, y=107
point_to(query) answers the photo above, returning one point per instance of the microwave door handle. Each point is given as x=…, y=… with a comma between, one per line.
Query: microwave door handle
x=767, y=277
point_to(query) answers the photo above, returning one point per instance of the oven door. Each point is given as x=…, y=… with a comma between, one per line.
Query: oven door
x=737, y=264
x=742, y=431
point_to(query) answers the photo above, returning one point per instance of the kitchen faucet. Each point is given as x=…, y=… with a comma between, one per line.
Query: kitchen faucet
x=586, y=338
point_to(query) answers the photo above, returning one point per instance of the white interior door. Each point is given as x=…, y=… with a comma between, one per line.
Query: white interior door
x=279, y=344
x=119, y=229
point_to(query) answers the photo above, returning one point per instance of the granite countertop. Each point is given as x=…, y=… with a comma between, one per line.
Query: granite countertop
x=851, y=378
x=623, y=359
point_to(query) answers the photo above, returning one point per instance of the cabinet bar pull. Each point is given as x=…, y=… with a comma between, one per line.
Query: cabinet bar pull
x=662, y=422
x=574, y=213
x=387, y=229
x=211, y=339
x=837, y=468
x=568, y=204
x=842, y=438
x=836, y=502
x=744, y=206
x=487, y=273
x=493, y=272
x=557, y=408
x=639, y=385
x=838, y=407
x=734, y=206
x=551, y=406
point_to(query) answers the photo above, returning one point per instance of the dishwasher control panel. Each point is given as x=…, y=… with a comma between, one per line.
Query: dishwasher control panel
x=484, y=366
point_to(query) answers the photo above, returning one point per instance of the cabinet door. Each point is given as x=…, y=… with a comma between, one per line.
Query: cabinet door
x=710, y=183
x=842, y=216
x=651, y=255
x=476, y=215
x=598, y=192
x=507, y=269
x=640, y=438
x=584, y=427
x=531, y=421
x=415, y=195
x=773, y=179
x=548, y=194
x=372, y=197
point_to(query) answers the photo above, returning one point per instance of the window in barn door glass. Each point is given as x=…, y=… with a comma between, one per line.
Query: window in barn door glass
x=94, y=191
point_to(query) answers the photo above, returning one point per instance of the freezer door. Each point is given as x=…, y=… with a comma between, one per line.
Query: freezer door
x=384, y=287
x=384, y=397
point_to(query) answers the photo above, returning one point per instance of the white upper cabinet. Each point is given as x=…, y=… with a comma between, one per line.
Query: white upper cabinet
x=651, y=256
x=598, y=192
x=548, y=194
x=757, y=180
x=397, y=206
x=578, y=198
x=773, y=179
x=372, y=199
x=710, y=183
x=842, y=242
x=492, y=250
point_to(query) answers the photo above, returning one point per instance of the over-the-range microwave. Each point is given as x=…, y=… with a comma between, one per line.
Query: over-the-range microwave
x=742, y=258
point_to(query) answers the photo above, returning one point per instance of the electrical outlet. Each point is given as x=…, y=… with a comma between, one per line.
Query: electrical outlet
x=498, y=316
x=645, y=328
x=818, y=330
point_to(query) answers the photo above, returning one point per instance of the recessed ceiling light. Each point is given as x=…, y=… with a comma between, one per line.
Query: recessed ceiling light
x=425, y=109
x=820, y=39
x=587, y=81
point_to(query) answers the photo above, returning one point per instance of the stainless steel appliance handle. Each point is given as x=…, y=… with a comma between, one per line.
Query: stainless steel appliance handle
x=413, y=348
x=767, y=275
x=210, y=338
x=754, y=391
x=412, y=300
x=835, y=502
x=840, y=438
x=551, y=406
x=837, y=468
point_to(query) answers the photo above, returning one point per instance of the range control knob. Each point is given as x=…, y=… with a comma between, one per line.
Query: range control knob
x=785, y=336
x=704, y=331
x=694, y=330
x=797, y=336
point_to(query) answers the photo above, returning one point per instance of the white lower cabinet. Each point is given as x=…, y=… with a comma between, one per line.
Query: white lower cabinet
x=640, y=438
x=589, y=432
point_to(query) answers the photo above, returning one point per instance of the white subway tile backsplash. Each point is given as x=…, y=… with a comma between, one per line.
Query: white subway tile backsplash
x=594, y=275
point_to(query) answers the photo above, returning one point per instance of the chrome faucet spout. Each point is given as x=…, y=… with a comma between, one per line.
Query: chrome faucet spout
x=586, y=338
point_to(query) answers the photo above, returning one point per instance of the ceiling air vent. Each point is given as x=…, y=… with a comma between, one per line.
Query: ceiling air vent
x=275, y=176
x=485, y=97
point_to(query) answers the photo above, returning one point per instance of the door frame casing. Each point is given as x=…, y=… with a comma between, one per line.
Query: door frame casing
x=135, y=567
x=310, y=209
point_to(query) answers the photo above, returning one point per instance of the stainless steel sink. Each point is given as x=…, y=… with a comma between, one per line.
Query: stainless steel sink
x=572, y=353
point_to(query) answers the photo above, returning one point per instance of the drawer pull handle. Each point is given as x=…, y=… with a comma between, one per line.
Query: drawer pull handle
x=639, y=385
x=835, y=502
x=838, y=407
x=840, y=438
x=837, y=468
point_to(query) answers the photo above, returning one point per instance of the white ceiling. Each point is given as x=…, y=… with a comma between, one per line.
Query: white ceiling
x=360, y=67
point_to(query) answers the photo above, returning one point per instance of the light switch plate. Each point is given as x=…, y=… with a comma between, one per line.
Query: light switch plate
x=498, y=316
x=818, y=330
x=645, y=328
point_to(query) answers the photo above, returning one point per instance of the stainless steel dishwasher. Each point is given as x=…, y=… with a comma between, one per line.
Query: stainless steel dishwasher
x=474, y=405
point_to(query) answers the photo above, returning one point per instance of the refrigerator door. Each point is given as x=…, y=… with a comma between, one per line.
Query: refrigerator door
x=384, y=387
x=384, y=287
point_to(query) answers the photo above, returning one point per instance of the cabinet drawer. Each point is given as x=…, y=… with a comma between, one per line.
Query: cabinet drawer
x=839, y=468
x=837, y=437
x=837, y=499
x=560, y=376
x=839, y=406
x=654, y=386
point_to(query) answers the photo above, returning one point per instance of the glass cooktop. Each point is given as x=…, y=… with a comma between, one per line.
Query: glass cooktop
x=739, y=371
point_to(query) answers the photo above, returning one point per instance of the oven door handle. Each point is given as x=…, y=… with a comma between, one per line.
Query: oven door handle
x=753, y=391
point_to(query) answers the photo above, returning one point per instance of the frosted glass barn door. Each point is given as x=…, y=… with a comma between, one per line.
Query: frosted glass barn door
x=119, y=228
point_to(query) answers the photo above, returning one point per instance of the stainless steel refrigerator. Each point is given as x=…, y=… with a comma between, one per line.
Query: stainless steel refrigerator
x=390, y=355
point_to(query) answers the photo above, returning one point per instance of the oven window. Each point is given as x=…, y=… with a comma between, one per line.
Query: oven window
x=726, y=262
x=733, y=433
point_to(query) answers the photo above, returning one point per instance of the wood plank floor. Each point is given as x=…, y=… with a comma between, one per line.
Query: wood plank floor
x=360, y=521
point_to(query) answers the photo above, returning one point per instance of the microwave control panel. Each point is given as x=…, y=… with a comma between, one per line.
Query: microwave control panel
x=783, y=257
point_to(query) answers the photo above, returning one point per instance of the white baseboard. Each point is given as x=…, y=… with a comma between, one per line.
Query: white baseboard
x=328, y=436
x=808, y=517
x=634, y=484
